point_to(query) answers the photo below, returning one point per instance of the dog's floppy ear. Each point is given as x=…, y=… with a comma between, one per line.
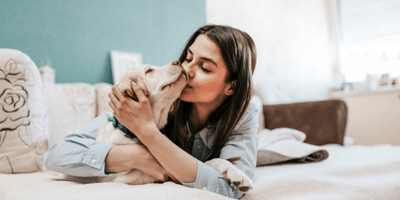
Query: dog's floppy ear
x=125, y=84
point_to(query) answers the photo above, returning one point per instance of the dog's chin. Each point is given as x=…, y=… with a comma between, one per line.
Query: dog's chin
x=176, y=87
x=182, y=81
x=169, y=94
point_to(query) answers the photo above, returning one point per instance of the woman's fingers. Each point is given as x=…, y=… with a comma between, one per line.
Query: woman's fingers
x=173, y=178
x=112, y=106
x=113, y=100
x=118, y=94
x=155, y=170
x=138, y=91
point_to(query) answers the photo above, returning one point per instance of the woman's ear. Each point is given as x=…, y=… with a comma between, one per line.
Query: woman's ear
x=230, y=88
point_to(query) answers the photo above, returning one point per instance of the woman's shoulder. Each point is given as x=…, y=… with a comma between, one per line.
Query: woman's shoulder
x=249, y=116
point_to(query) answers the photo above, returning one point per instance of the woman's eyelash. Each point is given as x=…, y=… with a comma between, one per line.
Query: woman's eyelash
x=148, y=71
x=205, y=69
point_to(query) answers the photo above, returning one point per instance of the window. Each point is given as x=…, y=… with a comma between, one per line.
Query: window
x=369, y=38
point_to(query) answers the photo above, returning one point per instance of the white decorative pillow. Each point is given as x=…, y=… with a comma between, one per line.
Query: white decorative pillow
x=23, y=116
x=71, y=106
x=102, y=90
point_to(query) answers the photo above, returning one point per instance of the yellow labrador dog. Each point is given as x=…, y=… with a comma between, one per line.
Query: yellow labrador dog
x=162, y=86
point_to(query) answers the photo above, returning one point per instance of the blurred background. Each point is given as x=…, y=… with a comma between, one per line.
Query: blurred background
x=305, y=47
x=308, y=50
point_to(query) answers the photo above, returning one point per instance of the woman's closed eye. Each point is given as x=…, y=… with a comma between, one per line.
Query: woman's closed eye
x=204, y=69
x=201, y=66
x=205, y=66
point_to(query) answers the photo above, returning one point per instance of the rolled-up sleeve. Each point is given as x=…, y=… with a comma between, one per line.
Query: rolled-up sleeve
x=79, y=154
x=242, y=143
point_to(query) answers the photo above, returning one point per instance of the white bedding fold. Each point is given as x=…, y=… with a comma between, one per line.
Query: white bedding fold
x=285, y=144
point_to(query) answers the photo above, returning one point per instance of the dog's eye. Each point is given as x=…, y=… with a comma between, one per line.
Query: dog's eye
x=149, y=70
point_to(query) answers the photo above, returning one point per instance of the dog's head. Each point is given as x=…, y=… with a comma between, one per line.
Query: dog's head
x=162, y=85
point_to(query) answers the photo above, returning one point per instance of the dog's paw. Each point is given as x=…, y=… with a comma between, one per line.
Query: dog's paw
x=238, y=179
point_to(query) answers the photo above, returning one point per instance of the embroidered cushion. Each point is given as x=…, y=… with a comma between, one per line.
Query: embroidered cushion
x=23, y=116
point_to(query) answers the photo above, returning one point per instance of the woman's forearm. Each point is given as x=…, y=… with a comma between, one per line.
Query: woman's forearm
x=175, y=160
x=123, y=158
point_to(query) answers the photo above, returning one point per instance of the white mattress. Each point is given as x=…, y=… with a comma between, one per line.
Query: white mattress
x=355, y=172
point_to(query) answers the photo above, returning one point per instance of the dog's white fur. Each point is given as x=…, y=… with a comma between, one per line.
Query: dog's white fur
x=162, y=86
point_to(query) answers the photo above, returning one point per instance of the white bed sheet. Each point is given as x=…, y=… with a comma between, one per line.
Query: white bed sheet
x=355, y=172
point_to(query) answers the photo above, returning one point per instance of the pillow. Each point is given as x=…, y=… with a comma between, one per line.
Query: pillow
x=23, y=116
x=70, y=107
x=102, y=99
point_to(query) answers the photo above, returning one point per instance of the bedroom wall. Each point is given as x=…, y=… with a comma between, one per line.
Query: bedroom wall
x=77, y=36
x=297, y=57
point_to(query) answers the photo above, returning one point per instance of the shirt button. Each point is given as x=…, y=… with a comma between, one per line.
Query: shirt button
x=198, y=146
x=94, y=161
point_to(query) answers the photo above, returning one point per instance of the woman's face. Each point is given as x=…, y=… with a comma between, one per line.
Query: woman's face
x=207, y=72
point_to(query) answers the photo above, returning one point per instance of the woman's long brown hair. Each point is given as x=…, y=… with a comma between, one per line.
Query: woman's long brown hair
x=239, y=54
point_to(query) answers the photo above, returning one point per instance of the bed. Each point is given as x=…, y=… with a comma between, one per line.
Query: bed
x=302, y=152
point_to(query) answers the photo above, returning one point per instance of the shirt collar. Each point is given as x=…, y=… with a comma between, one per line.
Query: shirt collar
x=203, y=135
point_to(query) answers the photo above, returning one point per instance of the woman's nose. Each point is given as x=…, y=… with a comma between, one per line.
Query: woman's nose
x=190, y=74
x=189, y=70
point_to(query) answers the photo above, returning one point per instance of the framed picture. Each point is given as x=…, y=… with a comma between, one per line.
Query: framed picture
x=385, y=80
x=122, y=61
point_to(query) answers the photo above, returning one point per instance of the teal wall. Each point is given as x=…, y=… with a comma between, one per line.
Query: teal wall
x=78, y=35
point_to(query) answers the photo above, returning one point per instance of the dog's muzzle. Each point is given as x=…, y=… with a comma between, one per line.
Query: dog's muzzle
x=177, y=62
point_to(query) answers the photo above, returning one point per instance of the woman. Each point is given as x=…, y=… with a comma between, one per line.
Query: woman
x=213, y=118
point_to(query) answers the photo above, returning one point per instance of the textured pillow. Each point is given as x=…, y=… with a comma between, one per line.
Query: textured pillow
x=70, y=107
x=23, y=117
x=102, y=99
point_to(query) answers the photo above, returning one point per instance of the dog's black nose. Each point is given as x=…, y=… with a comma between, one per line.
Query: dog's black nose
x=176, y=62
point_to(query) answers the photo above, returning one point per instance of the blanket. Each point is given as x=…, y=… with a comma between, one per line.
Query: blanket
x=286, y=145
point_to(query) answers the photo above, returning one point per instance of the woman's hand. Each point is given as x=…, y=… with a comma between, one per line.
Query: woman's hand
x=150, y=166
x=122, y=158
x=136, y=116
x=135, y=156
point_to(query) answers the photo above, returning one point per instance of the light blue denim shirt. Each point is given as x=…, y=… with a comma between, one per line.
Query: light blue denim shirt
x=79, y=154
